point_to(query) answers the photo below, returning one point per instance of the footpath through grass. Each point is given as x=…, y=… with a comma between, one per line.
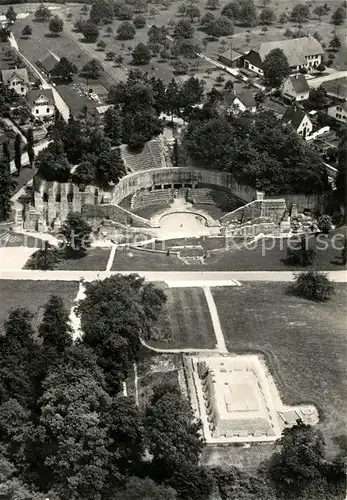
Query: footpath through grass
x=304, y=344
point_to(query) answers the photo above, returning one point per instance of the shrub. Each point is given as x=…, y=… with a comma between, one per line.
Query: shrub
x=302, y=255
x=303, y=71
x=312, y=285
x=320, y=67
x=324, y=223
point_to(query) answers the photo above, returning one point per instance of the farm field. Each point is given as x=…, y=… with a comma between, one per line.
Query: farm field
x=304, y=344
x=189, y=320
x=33, y=295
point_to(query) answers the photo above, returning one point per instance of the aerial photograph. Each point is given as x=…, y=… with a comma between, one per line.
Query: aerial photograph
x=173, y=250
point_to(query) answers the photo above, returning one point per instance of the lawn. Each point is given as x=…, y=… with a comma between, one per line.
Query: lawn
x=128, y=259
x=33, y=295
x=95, y=260
x=304, y=344
x=189, y=320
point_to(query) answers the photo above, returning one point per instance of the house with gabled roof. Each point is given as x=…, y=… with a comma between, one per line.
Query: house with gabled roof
x=304, y=52
x=296, y=87
x=245, y=101
x=48, y=63
x=16, y=79
x=42, y=103
x=299, y=120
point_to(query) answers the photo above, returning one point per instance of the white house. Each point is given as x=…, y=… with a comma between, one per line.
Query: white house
x=16, y=79
x=299, y=120
x=245, y=101
x=338, y=111
x=41, y=102
x=304, y=52
x=296, y=87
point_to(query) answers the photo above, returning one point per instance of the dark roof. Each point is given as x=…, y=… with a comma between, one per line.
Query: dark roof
x=34, y=94
x=293, y=116
x=246, y=98
x=336, y=88
x=299, y=83
x=9, y=74
x=231, y=55
x=48, y=62
x=253, y=57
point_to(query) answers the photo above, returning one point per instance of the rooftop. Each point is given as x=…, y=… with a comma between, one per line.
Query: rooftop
x=246, y=98
x=34, y=94
x=295, y=49
x=293, y=116
x=299, y=83
x=20, y=73
x=49, y=61
x=337, y=88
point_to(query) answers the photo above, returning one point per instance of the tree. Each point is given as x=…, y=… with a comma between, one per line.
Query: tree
x=283, y=18
x=141, y=54
x=69, y=16
x=92, y=69
x=110, y=56
x=319, y=11
x=334, y=44
x=52, y=164
x=275, y=67
x=231, y=10
x=139, y=21
x=192, y=12
x=56, y=25
x=126, y=31
x=6, y=152
x=27, y=31
x=6, y=189
x=101, y=12
x=301, y=255
x=44, y=259
x=260, y=97
x=101, y=45
x=126, y=13
x=42, y=13
x=207, y=19
x=85, y=173
x=267, y=16
x=183, y=29
x=212, y=4
x=77, y=233
x=55, y=330
x=18, y=153
x=90, y=31
x=146, y=489
x=118, y=60
x=222, y=27
x=64, y=70
x=11, y=15
x=300, y=13
x=312, y=285
x=338, y=16
x=181, y=67
x=300, y=459
x=247, y=14
x=191, y=93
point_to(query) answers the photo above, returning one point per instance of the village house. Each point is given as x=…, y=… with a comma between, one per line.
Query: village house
x=48, y=63
x=305, y=52
x=296, y=88
x=41, y=102
x=299, y=120
x=244, y=101
x=16, y=79
x=338, y=111
x=232, y=58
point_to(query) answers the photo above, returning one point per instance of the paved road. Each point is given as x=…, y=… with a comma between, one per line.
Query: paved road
x=173, y=278
x=316, y=82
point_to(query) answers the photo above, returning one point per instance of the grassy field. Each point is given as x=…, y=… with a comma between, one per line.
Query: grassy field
x=33, y=295
x=127, y=259
x=303, y=342
x=95, y=260
x=232, y=255
x=189, y=320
